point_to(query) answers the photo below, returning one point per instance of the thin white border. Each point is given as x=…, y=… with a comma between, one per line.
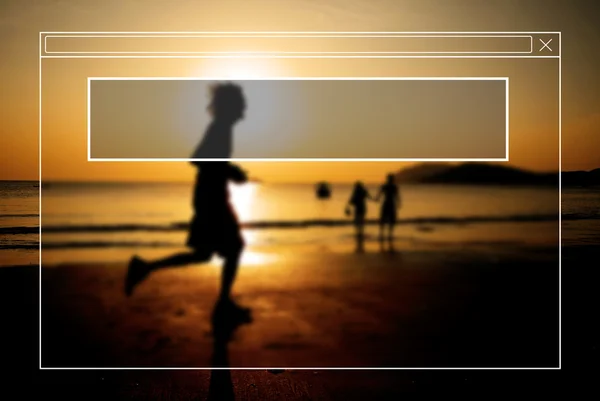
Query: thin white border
x=559, y=200
x=299, y=32
x=306, y=56
x=300, y=159
x=40, y=199
x=507, y=107
x=305, y=368
x=318, y=368
x=253, y=53
x=89, y=115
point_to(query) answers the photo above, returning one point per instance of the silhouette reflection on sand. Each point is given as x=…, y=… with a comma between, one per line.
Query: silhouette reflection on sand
x=224, y=325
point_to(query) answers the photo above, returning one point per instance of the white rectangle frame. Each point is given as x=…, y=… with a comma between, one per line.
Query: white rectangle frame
x=558, y=57
x=287, y=35
x=303, y=159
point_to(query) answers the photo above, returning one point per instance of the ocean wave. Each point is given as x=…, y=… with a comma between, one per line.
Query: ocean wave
x=19, y=230
x=46, y=246
x=292, y=224
x=109, y=244
x=580, y=216
x=19, y=246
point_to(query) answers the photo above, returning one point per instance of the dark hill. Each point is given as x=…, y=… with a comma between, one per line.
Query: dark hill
x=420, y=172
x=581, y=178
x=475, y=173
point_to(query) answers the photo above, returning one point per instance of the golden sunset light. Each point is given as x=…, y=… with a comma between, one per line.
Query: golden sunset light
x=296, y=199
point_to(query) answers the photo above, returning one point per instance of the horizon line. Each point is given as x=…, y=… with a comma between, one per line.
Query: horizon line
x=251, y=180
x=261, y=180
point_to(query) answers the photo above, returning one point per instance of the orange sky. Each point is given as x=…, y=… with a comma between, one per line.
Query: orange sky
x=533, y=137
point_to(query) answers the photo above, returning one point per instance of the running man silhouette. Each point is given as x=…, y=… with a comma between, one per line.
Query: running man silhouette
x=389, y=207
x=214, y=228
x=358, y=200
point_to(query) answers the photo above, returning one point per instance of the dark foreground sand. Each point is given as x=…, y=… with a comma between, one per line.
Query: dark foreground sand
x=461, y=309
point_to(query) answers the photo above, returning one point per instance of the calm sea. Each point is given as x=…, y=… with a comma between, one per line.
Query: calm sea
x=79, y=219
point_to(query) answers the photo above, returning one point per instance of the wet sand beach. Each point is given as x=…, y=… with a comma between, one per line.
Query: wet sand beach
x=422, y=309
x=336, y=310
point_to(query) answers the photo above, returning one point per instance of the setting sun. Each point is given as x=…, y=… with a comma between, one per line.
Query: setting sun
x=239, y=68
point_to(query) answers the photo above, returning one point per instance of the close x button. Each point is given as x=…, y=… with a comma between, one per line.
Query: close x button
x=545, y=44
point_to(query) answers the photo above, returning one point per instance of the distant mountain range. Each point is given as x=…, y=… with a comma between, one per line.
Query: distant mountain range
x=581, y=178
x=491, y=174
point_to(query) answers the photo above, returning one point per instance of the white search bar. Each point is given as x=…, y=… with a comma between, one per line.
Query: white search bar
x=286, y=44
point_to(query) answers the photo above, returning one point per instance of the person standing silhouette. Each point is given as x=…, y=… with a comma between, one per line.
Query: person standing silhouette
x=214, y=228
x=391, y=202
x=358, y=200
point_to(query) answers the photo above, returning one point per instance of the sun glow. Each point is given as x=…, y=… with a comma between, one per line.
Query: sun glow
x=242, y=197
x=238, y=68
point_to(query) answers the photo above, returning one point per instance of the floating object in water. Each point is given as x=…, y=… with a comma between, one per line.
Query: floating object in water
x=323, y=190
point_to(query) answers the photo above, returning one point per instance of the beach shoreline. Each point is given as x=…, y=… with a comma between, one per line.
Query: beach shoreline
x=393, y=310
x=87, y=321
x=490, y=270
